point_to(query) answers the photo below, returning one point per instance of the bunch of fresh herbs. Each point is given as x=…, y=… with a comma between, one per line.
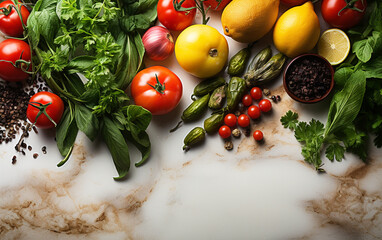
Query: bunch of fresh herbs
x=356, y=107
x=100, y=40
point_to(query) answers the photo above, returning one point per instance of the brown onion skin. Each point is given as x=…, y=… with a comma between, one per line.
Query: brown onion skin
x=158, y=42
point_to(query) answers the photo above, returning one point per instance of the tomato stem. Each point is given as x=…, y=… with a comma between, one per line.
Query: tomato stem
x=178, y=6
x=42, y=108
x=158, y=86
x=350, y=5
x=6, y=11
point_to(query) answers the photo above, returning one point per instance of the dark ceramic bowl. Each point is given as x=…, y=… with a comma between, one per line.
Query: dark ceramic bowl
x=298, y=60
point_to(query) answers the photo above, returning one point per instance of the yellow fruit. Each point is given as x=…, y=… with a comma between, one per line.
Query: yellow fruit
x=334, y=45
x=249, y=20
x=297, y=30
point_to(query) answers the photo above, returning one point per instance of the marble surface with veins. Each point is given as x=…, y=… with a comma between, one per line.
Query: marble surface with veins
x=255, y=191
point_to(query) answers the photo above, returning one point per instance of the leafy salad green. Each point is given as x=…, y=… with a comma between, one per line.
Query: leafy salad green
x=100, y=40
x=356, y=107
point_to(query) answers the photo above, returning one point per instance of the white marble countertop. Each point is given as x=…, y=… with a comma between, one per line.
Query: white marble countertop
x=252, y=192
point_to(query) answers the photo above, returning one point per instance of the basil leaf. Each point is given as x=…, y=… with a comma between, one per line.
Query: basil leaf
x=341, y=76
x=86, y=121
x=66, y=132
x=363, y=49
x=144, y=148
x=373, y=69
x=346, y=104
x=117, y=146
x=74, y=84
x=138, y=116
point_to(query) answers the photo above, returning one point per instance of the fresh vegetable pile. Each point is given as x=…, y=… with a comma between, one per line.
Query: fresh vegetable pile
x=91, y=52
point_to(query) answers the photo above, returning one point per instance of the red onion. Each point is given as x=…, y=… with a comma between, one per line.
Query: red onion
x=158, y=43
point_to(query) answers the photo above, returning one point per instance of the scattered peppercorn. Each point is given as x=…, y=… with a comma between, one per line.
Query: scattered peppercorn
x=35, y=155
x=236, y=133
x=266, y=92
x=228, y=145
x=43, y=149
x=14, y=160
x=30, y=148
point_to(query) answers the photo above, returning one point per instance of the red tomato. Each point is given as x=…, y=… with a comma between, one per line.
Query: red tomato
x=292, y=3
x=224, y=131
x=243, y=120
x=258, y=135
x=215, y=5
x=254, y=112
x=15, y=51
x=256, y=93
x=265, y=105
x=247, y=100
x=230, y=120
x=173, y=19
x=10, y=23
x=48, y=102
x=345, y=19
x=157, y=89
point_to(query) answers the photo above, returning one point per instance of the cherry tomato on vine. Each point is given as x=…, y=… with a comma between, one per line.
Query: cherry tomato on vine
x=10, y=23
x=256, y=93
x=224, y=131
x=215, y=5
x=230, y=120
x=247, y=100
x=339, y=14
x=243, y=120
x=258, y=135
x=292, y=3
x=254, y=112
x=173, y=19
x=45, y=105
x=157, y=89
x=15, y=59
x=265, y=105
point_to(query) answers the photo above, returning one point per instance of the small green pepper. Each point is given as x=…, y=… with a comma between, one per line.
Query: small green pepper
x=208, y=85
x=213, y=123
x=194, y=137
x=217, y=98
x=196, y=109
x=235, y=92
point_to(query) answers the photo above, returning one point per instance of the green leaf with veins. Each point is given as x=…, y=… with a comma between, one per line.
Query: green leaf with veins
x=289, y=120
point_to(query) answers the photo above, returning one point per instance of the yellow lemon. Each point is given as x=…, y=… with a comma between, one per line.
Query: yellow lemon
x=249, y=20
x=334, y=45
x=297, y=30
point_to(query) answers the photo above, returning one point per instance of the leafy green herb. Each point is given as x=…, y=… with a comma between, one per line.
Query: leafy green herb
x=355, y=110
x=101, y=40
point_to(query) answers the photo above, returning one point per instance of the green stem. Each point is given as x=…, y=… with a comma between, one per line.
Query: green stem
x=159, y=87
x=42, y=108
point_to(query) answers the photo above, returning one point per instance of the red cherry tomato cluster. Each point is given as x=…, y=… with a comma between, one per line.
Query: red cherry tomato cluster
x=253, y=112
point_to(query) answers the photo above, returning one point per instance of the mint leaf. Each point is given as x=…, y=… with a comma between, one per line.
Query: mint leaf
x=373, y=68
x=289, y=120
x=363, y=49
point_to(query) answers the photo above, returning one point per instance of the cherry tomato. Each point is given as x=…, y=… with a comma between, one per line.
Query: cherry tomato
x=258, y=135
x=10, y=23
x=173, y=19
x=254, y=112
x=157, y=89
x=17, y=52
x=337, y=14
x=224, y=131
x=230, y=120
x=243, y=120
x=256, y=93
x=247, y=100
x=48, y=102
x=215, y=5
x=292, y=3
x=265, y=105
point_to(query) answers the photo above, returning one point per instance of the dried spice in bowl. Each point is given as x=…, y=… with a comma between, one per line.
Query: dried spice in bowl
x=308, y=78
